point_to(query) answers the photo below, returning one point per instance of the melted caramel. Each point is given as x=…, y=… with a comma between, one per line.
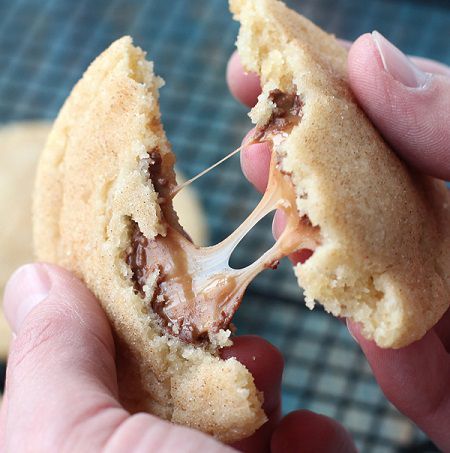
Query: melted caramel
x=197, y=292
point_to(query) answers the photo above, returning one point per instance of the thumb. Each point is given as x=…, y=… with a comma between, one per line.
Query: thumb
x=61, y=366
x=415, y=379
x=61, y=384
x=410, y=107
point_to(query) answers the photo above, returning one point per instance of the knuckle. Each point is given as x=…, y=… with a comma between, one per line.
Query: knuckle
x=34, y=341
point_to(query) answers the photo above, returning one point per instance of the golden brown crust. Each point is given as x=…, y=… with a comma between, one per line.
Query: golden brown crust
x=89, y=185
x=385, y=257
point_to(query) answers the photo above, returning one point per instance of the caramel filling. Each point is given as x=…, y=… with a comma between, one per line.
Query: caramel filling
x=197, y=292
x=286, y=114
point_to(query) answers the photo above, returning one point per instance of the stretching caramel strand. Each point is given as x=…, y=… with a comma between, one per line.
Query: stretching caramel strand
x=197, y=293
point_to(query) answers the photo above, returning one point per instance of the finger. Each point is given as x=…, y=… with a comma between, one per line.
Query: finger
x=61, y=364
x=146, y=433
x=308, y=432
x=425, y=64
x=416, y=380
x=442, y=328
x=411, y=108
x=255, y=162
x=266, y=365
x=61, y=382
x=245, y=87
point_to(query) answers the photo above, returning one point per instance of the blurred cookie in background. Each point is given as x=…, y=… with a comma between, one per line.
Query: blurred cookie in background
x=190, y=212
x=20, y=145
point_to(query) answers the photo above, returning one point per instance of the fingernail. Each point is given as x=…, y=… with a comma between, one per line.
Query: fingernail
x=26, y=288
x=398, y=65
x=350, y=328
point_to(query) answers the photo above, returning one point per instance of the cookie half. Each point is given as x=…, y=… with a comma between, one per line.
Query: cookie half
x=384, y=253
x=99, y=189
x=20, y=146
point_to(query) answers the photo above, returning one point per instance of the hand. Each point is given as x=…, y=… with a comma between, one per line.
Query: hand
x=61, y=387
x=409, y=101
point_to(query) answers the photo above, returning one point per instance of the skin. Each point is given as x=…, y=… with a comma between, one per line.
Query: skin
x=61, y=390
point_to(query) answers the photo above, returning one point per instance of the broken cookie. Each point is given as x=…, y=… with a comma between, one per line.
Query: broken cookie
x=102, y=201
x=384, y=254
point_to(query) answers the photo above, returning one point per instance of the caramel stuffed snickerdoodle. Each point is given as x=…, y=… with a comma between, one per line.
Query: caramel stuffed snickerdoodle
x=103, y=209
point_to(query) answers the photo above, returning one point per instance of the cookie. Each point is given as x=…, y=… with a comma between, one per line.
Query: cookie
x=100, y=193
x=384, y=230
x=20, y=145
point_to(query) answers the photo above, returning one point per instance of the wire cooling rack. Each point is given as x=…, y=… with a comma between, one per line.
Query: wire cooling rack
x=46, y=44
